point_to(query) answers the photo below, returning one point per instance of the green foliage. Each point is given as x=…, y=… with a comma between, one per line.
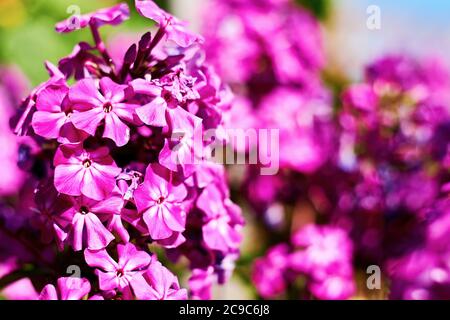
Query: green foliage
x=320, y=8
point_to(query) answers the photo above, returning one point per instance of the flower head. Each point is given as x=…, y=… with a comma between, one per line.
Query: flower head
x=112, y=16
x=105, y=102
x=68, y=288
x=157, y=283
x=81, y=172
x=117, y=275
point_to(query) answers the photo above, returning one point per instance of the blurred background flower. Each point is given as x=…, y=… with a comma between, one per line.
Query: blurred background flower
x=365, y=163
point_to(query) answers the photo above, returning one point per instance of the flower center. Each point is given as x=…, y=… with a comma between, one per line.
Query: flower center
x=167, y=96
x=160, y=200
x=87, y=163
x=120, y=273
x=84, y=210
x=107, y=107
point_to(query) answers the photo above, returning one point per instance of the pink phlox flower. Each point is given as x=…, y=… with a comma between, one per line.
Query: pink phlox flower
x=269, y=272
x=67, y=288
x=103, y=100
x=112, y=16
x=51, y=213
x=161, y=203
x=323, y=249
x=201, y=282
x=22, y=121
x=165, y=107
x=128, y=181
x=223, y=220
x=157, y=283
x=52, y=120
x=174, y=29
x=118, y=275
x=79, y=171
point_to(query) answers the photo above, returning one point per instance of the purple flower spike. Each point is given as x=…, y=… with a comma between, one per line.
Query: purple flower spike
x=117, y=275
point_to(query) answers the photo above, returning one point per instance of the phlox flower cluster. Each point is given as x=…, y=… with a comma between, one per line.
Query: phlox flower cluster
x=111, y=182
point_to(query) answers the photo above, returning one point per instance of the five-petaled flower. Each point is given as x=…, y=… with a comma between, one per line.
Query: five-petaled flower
x=82, y=172
x=104, y=100
x=114, y=275
x=161, y=203
x=174, y=29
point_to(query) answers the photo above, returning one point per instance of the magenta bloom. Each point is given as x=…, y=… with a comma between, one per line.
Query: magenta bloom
x=161, y=203
x=200, y=283
x=174, y=29
x=81, y=172
x=269, y=272
x=111, y=16
x=86, y=229
x=304, y=123
x=12, y=87
x=53, y=214
x=223, y=220
x=117, y=275
x=360, y=96
x=68, y=288
x=76, y=62
x=165, y=106
x=323, y=249
x=157, y=283
x=333, y=287
x=107, y=104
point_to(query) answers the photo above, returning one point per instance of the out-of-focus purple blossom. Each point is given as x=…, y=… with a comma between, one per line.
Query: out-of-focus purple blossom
x=305, y=127
x=321, y=254
x=200, y=283
x=269, y=272
x=240, y=38
x=322, y=250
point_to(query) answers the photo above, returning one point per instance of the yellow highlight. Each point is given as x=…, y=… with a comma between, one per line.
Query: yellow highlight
x=12, y=13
